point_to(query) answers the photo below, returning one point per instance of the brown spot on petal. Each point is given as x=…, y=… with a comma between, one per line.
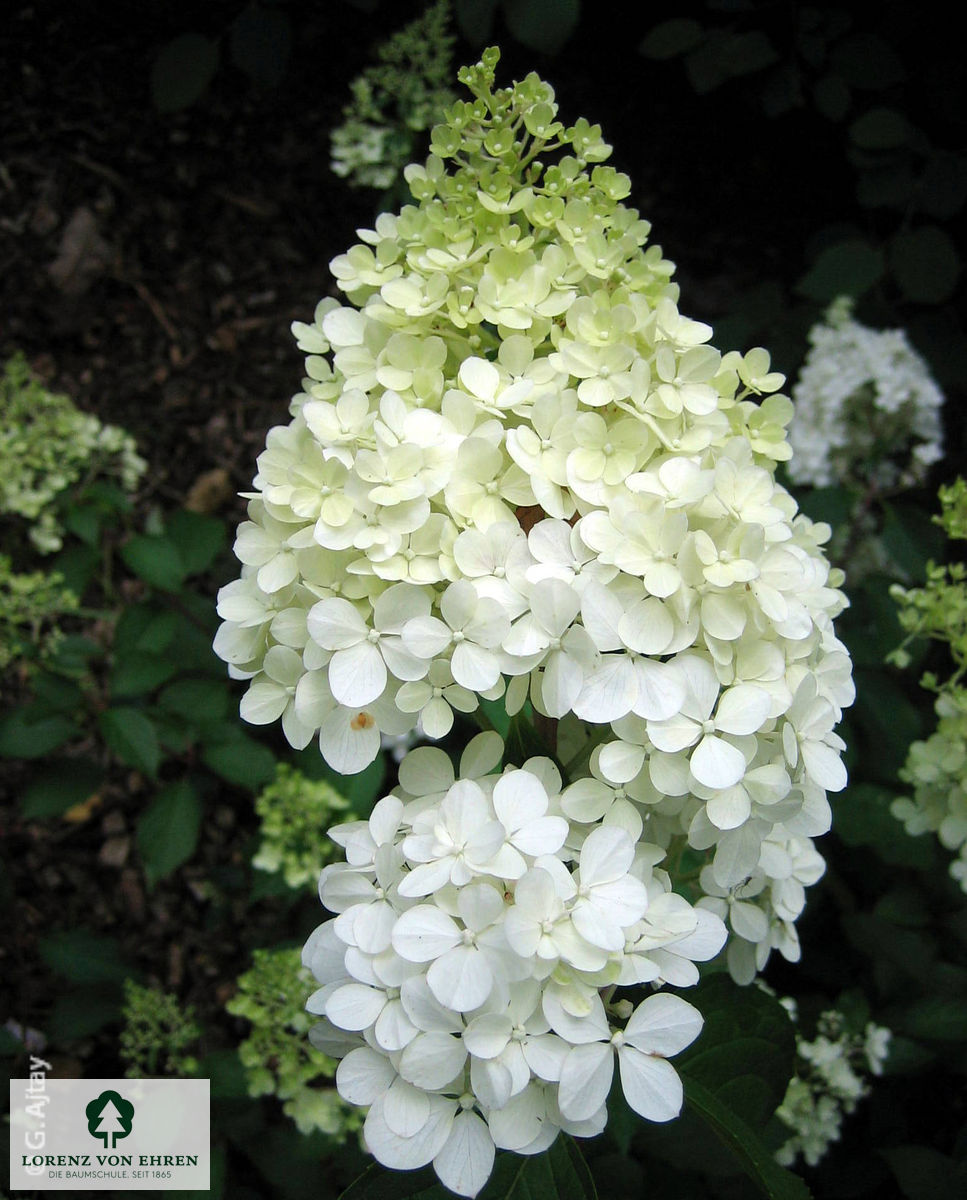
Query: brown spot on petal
x=362, y=721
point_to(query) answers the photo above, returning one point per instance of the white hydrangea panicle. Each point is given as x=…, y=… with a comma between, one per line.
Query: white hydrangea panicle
x=466, y=978
x=867, y=409
x=518, y=472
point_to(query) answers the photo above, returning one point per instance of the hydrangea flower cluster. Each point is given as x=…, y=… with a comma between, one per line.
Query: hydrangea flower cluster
x=467, y=980
x=936, y=769
x=295, y=811
x=276, y=1055
x=395, y=101
x=46, y=446
x=867, y=407
x=831, y=1080
x=517, y=472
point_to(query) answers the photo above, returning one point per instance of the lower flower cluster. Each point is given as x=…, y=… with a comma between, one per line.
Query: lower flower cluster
x=467, y=982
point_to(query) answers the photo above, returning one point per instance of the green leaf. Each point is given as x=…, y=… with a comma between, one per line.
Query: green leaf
x=197, y=538
x=926, y=264
x=848, y=268
x=240, y=760
x=132, y=737
x=475, y=19
x=84, y=522
x=881, y=129
x=168, y=830
x=260, y=44
x=27, y=736
x=137, y=674
x=772, y=1180
x=559, y=1174
x=746, y=1052
x=671, y=38
x=77, y=566
x=543, y=25
x=84, y=957
x=156, y=560
x=59, y=787
x=181, y=71
x=198, y=702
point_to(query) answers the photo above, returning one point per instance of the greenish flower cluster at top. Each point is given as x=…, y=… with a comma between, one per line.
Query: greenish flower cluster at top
x=296, y=812
x=157, y=1034
x=936, y=768
x=47, y=445
x=395, y=101
x=277, y=1055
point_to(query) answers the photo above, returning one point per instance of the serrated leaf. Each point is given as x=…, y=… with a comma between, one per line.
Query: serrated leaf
x=156, y=560
x=132, y=737
x=260, y=44
x=773, y=1181
x=671, y=38
x=848, y=268
x=84, y=957
x=543, y=25
x=182, y=70
x=168, y=830
x=59, y=787
x=926, y=264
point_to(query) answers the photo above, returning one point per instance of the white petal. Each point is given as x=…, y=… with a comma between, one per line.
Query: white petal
x=363, y=1075
x=743, y=709
x=716, y=763
x=487, y=1035
x=432, y=1060
x=465, y=1162
x=461, y=979
x=357, y=676
x=664, y=1025
x=651, y=1085
x=424, y=933
x=405, y=1154
x=355, y=1006
x=474, y=667
x=405, y=1108
x=585, y=1080
x=263, y=703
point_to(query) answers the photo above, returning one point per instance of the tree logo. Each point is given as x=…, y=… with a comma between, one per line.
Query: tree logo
x=110, y=1117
